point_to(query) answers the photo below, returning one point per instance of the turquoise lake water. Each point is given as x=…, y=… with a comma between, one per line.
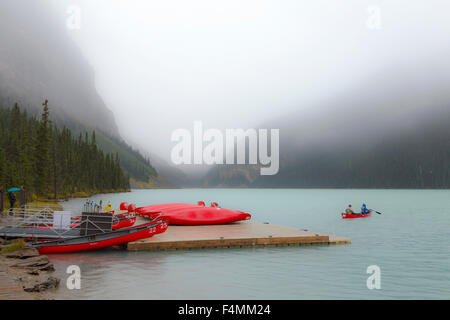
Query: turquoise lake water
x=409, y=242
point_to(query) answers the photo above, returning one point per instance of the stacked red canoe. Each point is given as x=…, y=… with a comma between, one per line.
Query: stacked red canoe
x=191, y=214
x=124, y=220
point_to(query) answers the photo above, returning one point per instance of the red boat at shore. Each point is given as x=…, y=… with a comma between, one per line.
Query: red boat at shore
x=124, y=220
x=121, y=221
x=191, y=214
x=102, y=240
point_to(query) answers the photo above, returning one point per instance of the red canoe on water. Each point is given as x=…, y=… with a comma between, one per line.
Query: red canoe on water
x=352, y=216
x=191, y=215
x=101, y=240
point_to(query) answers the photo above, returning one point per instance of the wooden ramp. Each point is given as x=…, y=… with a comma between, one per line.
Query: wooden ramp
x=243, y=234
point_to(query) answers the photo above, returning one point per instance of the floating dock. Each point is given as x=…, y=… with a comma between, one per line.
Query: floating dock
x=235, y=235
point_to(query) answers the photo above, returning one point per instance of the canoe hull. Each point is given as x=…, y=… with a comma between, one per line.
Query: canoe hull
x=204, y=216
x=157, y=208
x=104, y=240
x=354, y=216
x=124, y=221
x=192, y=215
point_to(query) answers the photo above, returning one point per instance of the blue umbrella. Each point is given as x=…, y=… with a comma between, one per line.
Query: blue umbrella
x=13, y=189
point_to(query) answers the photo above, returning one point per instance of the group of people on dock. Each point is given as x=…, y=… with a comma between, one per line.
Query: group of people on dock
x=364, y=210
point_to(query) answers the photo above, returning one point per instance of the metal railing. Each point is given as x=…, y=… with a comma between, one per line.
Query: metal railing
x=26, y=214
x=38, y=221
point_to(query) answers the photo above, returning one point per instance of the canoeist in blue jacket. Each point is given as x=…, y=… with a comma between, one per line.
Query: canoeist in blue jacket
x=364, y=209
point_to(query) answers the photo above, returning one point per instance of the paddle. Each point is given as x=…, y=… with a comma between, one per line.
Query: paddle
x=377, y=212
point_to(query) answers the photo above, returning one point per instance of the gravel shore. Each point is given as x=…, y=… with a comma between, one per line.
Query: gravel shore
x=30, y=271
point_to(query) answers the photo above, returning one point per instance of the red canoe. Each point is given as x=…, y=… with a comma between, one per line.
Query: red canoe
x=352, y=216
x=191, y=215
x=125, y=220
x=101, y=240
x=157, y=208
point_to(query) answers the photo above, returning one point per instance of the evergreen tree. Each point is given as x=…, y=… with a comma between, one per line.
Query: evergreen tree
x=41, y=154
x=49, y=161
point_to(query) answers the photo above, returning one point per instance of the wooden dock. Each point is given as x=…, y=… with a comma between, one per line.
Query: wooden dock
x=235, y=235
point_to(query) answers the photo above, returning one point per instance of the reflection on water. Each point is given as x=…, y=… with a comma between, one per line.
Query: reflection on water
x=409, y=242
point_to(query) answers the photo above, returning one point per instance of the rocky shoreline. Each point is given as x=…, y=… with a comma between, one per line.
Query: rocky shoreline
x=30, y=270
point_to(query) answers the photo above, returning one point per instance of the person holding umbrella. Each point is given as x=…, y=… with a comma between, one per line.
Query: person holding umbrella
x=12, y=197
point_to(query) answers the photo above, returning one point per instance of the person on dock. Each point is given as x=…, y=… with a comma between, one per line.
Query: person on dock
x=349, y=209
x=12, y=200
x=364, y=209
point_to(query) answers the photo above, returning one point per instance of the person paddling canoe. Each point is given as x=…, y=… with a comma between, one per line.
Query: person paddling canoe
x=349, y=209
x=364, y=209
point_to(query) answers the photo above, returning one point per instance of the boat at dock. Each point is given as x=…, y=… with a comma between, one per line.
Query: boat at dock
x=101, y=240
x=192, y=215
x=44, y=224
x=124, y=220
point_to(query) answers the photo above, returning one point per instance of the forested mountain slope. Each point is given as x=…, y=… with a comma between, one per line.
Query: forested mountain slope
x=51, y=162
x=39, y=61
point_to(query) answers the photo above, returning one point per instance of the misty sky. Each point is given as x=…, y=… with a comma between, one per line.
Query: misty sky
x=160, y=65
